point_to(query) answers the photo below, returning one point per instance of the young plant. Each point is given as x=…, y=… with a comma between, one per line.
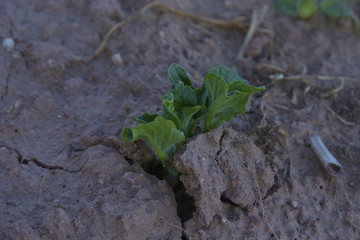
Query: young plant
x=307, y=8
x=223, y=95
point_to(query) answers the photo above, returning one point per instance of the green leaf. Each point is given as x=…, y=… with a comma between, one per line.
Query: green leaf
x=335, y=8
x=241, y=87
x=228, y=74
x=173, y=171
x=145, y=118
x=221, y=107
x=177, y=75
x=307, y=8
x=188, y=119
x=161, y=135
x=288, y=7
x=201, y=97
x=234, y=81
x=180, y=106
x=170, y=113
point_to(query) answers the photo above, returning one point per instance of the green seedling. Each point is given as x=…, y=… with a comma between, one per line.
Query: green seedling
x=307, y=8
x=223, y=95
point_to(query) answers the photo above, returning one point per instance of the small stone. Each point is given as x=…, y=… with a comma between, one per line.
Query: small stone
x=8, y=43
x=117, y=59
x=224, y=219
x=294, y=203
x=161, y=34
x=101, y=181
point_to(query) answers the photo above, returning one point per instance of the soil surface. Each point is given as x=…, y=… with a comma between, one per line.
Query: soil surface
x=66, y=174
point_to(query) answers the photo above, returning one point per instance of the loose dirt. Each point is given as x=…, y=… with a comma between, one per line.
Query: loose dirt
x=66, y=174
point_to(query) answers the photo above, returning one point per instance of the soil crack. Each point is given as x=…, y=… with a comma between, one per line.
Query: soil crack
x=6, y=87
x=274, y=188
x=219, y=152
x=23, y=160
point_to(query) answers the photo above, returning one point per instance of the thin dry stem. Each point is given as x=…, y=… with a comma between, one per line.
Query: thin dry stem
x=334, y=91
x=235, y=23
x=272, y=230
x=323, y=78
x=105, y=41
x=255, y=23
x=343, y=121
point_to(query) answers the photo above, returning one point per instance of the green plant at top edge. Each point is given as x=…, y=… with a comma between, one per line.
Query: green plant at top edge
x=223, y=95
x=307, y=8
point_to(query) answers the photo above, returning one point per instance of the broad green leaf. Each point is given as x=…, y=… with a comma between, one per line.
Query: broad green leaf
x=145, y=118
x=188, y=120
x=307, y=8
x=177, y=75
x=180, y=106
x=335, y=8
x=161, y=135
x=241, y=87
x=221, y=107
x=234, y=81
x=202, y=97
x=170, y=113
x=228, y=74
x=288, y=7
x=225, y=109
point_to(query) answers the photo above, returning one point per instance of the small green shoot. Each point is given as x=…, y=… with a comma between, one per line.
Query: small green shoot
x=307, y=8
x=223, y=95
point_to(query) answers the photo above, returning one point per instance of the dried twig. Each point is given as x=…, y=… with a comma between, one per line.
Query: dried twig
x=343, y=121
x=106, y=39
x=272, y=230
x=324, y=78
x=255, y=23
x=235, y=23
x=334, y=91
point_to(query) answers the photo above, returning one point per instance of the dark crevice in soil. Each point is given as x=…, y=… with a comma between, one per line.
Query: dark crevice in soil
x=183, y=237
x=274, y=188
x=23, y=160
x=129, y=160
x=6, y=87
x=226, y=200
x=286, y=172
x=185, y=202
x=219, y=152
x=50, y=167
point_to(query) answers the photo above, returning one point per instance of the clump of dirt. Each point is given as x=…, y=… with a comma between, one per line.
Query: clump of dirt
x=223, y=167
x=106, y=192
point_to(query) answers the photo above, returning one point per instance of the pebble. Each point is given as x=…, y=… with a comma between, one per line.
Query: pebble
x=8, y=43
x=161, y=34
x=117, y=59
x=224, y=219
x=294, y=203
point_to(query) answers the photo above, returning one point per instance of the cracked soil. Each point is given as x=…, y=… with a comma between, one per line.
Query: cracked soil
x=66, y=174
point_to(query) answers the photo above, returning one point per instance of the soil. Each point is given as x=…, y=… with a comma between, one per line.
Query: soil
x=66, y=174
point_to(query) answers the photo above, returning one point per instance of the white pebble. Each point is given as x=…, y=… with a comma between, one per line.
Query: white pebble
x=224, y=219
x=117, y=59
x=294, y=203
x=8, y=43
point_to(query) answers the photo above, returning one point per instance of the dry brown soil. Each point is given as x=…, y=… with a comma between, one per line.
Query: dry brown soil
x=65, y=173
